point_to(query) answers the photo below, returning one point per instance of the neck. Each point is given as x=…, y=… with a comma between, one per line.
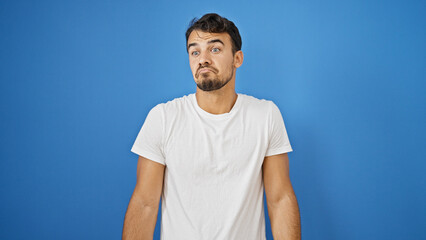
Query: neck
x=218, y=101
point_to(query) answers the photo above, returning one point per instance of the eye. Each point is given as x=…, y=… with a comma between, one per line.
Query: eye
x=215, y=49
x=195, y=53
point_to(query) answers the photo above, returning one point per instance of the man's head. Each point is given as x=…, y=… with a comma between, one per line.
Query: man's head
x=214, y=48
x=213, y=23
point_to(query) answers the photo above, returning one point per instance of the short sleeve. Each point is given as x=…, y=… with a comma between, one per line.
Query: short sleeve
x=149, y=141
x=278, y=139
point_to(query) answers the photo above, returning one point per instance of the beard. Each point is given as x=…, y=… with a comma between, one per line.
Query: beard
x=213, y=83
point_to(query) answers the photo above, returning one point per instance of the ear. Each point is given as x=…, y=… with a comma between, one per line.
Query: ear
x=238, y=59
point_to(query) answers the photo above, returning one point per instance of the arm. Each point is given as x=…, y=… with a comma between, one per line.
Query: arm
x=282, y=204
x=141, y=215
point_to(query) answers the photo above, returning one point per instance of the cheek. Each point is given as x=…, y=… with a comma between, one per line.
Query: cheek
x=194, y=70
x=226, y=62
x=227, y=65
x=193, y=67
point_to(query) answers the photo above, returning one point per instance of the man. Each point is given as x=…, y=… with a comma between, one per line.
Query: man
x=210, y=154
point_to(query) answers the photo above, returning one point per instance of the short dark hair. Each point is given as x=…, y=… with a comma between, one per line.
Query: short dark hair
x=213, y=23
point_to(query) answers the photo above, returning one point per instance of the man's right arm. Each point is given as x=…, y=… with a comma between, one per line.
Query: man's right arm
x=141, y=215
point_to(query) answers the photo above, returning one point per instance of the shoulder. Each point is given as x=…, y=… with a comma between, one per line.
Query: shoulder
x=174, y=105
x=257, y=104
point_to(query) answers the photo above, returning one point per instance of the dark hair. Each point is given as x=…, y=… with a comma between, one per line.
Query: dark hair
x=213, y=23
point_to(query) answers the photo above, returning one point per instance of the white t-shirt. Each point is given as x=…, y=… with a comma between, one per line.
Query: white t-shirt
x=213, y=186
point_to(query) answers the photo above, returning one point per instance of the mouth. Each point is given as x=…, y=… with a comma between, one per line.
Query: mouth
x=204, y=70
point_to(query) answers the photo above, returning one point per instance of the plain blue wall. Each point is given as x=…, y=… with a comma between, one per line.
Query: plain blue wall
x=79, y=77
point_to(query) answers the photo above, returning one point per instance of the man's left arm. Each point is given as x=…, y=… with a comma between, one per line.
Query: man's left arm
x=282, y=204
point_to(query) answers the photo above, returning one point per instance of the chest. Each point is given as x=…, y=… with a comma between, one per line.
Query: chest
x=212, y=149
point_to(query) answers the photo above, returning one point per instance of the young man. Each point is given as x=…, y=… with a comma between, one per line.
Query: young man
x=210, y=154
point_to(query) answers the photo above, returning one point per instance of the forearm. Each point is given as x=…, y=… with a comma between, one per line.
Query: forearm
x=140, y=220
x=285, y=218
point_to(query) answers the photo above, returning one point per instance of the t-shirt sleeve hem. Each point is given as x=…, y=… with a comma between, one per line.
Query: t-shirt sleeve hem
x=148, y=155
x=278, y=151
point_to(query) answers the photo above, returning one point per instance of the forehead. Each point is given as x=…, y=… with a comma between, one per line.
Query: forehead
x=197, y=36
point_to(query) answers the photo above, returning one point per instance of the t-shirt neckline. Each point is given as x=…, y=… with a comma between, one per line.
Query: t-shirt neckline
x=217, y=116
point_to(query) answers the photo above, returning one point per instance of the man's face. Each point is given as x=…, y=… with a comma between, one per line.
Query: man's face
x=211, y=59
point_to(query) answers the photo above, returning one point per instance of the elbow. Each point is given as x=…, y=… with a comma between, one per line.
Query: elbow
x=282, y=200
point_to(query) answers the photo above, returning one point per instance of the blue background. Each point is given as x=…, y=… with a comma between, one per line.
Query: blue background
x=79, y=77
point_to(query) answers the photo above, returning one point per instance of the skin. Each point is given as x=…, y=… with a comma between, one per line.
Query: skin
x=141, y=214
x=283, y=208
x=206, y=52
x=213, y=51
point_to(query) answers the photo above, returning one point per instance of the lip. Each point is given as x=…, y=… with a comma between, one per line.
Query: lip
x=205, y=70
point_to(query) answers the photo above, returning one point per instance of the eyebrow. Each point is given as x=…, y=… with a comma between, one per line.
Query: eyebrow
x=209, y=42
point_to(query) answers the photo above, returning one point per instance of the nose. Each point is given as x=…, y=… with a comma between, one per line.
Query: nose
x=204, y=58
